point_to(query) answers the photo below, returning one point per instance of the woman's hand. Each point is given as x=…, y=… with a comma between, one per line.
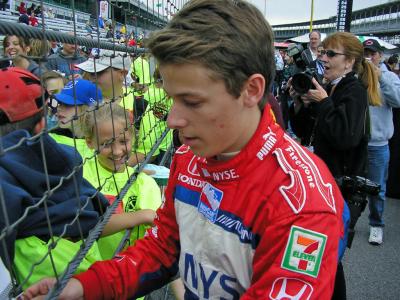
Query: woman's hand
x=298, y=99
x=315, y=95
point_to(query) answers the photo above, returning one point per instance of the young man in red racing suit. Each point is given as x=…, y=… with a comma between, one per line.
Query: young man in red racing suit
x=249, y=213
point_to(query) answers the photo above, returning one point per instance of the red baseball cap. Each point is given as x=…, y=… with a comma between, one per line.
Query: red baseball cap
x=20, y=94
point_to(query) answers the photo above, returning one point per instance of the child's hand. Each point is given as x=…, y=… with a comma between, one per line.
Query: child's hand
x=73, y=290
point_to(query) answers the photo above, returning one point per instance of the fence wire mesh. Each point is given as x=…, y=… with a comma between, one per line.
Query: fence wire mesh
x=102, y=96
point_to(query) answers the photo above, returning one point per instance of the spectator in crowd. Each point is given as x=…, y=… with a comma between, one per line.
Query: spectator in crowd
x=53, y=82
x=66, y=61
x=120, y=37
x=110, y=32
x=284, y=98
x=123, y=29
x=54, y=48
x=335, y=121
x=88, y=27
x=312, y=51
x=219, y=87
x=101, y=22
x=23, y=19
x=392, y=186
x=109, y=131
x=17, y=49
x=108, y=74
x=153, y=124
x=132, y=41
x=31, y=9
x=279, y=66
x=381, y=131
x=39, y=48
x=33, y=21
x=3, y=4
x=50, y=13
x=318, y=64
x=38, y=11
x=73, y=101
x=22, y=8
x=142, y=78
x=392, y=63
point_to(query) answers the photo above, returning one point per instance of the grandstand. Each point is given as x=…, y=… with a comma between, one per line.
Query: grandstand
x=380, y=20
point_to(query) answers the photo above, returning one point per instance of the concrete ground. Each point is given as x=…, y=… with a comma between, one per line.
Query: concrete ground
x=373, y=272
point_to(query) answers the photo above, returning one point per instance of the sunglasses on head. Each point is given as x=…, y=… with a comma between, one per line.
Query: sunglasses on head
x=330, y=53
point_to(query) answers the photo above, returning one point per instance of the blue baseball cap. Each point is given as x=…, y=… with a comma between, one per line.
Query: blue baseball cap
x=85, y=93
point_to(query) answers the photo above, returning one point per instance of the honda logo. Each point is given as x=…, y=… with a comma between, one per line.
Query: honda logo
x=285, y=288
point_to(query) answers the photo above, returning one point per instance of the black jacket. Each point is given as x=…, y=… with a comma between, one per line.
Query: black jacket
x=23, y=182
x=338, y=127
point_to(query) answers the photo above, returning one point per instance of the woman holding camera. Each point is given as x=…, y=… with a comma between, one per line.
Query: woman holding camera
x=334, y=120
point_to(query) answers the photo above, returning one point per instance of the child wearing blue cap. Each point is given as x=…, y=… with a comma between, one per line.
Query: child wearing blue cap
x=73, y=100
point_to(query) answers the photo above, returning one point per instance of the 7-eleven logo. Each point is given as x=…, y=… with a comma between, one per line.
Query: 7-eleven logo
x=304, y=251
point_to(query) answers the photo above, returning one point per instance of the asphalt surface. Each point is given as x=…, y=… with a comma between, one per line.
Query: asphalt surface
x=373, y=272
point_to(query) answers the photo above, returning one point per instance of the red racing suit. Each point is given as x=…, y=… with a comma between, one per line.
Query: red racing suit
x=263, y=225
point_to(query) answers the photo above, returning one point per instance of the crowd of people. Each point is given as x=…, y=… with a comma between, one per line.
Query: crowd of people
x=263, y=192
x=29, y=15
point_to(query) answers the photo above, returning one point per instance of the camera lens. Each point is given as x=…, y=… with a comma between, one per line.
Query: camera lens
x=302, y=82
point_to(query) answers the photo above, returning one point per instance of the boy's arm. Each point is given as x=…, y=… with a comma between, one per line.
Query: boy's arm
x=128, y=220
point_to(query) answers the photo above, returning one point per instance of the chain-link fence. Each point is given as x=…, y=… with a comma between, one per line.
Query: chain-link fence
x=103, y=148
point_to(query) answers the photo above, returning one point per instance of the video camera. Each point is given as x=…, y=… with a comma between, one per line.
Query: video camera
x=355, y=190
x=358, y=185
x=302, y=80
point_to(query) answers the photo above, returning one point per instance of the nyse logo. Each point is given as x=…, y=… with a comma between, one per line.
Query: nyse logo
x=210, y=200
x=207, y=282
x=290, y=289
x=225, y=175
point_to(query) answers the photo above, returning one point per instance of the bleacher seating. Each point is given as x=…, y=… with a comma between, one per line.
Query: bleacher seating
x=57, y=24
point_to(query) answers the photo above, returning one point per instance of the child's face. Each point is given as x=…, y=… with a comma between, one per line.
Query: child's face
x=209, y=119
x=54, y=85
x=109, y=79
x=112, y=156
x=64, y=115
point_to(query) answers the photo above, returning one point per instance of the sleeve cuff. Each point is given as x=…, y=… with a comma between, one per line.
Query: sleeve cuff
x=91, y=287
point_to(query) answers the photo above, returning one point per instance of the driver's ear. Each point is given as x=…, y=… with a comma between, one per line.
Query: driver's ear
x=253, y=90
